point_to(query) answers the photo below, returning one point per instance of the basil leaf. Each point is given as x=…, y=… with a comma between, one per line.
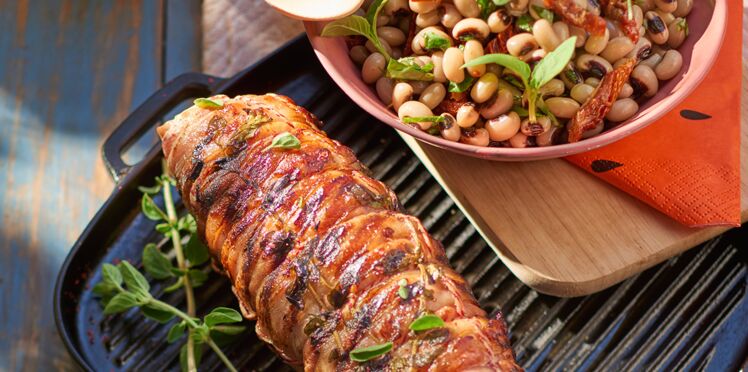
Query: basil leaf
x=407, y=69
x=432, y=41
x=553, y=63
x=197, y=352
x=176, y=332
x=373, y=12
x=155, y=263
x=222, y=315
x=509, y=61
x=197, y=277
x=544, y=13
x=355, y=25
x=426, y=322
x=460, y=87
x=111, y=274
x=524, y=23
x=120, y=303
x=195, y=251
x=368, y=353
x=421, y=119
x=160, y=315
x=151, y=210
x=207, y=103
x=285, y=141
x=134, y=280
x=501, y=2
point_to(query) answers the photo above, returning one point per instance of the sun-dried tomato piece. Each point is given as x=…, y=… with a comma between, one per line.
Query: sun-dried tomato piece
x=598, y=105
x=577, y=16
x=408, y=49
x=451, y=104
x=498, y=44
x=617, y=10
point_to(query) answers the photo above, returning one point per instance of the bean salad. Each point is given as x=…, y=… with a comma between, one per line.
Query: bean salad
x=515, y=73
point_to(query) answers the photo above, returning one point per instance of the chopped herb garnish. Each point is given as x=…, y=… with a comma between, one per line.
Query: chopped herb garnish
x=403, y=290
x=629, y=10
x=406, y=68
x=544, y=13
x=421, y=119
x=525, y=22
x=426, y=322
x=285, y=141
x=207, y=103
x=461, y=87
x=365, y=354
x=433, y=41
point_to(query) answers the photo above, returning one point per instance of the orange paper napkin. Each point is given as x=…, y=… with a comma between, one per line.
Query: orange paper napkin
x=687, y=164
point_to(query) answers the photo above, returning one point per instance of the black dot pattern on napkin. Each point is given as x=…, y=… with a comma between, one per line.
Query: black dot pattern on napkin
x=601, y=166
x=694, y=115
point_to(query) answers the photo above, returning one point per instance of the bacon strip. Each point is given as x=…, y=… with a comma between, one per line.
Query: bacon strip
x=593, y=111
x=577, y=16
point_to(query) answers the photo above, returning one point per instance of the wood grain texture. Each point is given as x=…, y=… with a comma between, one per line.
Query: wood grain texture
x=70, y=71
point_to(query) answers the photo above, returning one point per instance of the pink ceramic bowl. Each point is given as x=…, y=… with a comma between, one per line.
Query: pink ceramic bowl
x=707, y=23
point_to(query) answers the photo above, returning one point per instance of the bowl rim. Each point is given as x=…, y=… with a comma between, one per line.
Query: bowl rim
x=645, y=117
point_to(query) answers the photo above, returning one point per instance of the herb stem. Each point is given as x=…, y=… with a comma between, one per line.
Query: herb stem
x=221, y=355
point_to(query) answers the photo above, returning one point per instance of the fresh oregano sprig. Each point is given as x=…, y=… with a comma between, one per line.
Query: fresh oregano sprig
x=124, y=287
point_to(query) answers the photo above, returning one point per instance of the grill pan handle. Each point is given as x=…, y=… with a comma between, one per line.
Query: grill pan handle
x=147, y=114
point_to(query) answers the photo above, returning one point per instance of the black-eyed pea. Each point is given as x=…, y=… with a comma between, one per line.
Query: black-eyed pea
x=468, y=8
x=617, y=48
x=657, y=30
x=593, y=7
x=484, y=88
x=666, y=17
x=597, y=43
x=593, y=82
x=502, y=101
x=626, y=91
x=471, y=28
x=536, y=5
x=652, y=61
x=384, y=88
x=431, y=18
x=544, y=34
x=394, y=36
x=548, y=137
x=503, y=127
x=452, y=65
x=677, y=30
x=499, y=20
x=518, y=7
x=553, y=88
x=594, y=131
x=383, y=19
x=467, y=116
x=670, y=65
x=358, y=54
x=521, y=44
x=423, y=6
x=433, y=95
x=571, y=76
x=418, y=44
x=562, y=107
x=395, y=6
x=476, y=137
x=537, y=128
x=622, y=110
x=372, y=49
x=415, y=109
x=472, y=50
x=449, y=129
x=666, y=6
x=518, y=141
x=638, y=15
x=581, y=92
x=373, y=68
x=646, y=5
x=449, y=15
x=684, y=8
x=581, y=35
x=419, y=86
x=534, y=56
x=402, y=93
x=613, y=30
x=494, y=69
x=437, y=58
x=644, y=81
x=593, y=65
x=396, y=53
x=561, y=29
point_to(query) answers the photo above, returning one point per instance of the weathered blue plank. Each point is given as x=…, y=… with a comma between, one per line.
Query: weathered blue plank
x=69, y=72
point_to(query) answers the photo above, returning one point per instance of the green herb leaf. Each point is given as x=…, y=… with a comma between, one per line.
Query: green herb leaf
x=195, y=251
x=134, y=280
x=207, y=103
x=111, y=273
x=544, y=13
x=501, y=2
x=426, y=322
x=313, y=324
x=420, y=119
x=105, y=289
x=461, y=87
x=120, y=302
x=156, y=313
x=222, y=315
x=403, y=290
x=683, y=26
x=524, y=23
x=521, y=111
x=486, y=7
x=432, y=41
x=197, y=277
x=197, y=351
x=200, y=333
x=355, y=25
x=150, y=190
x=177, y=284
x=406, y=68
x=155, y=263
x=229, y=329
x=509, y=61
x=176, y=332
x=164, y=228
x=285, y=141
x=368, y=353
x=187, y=223
x=151, y=210
x=373, y=12
x=553, y=63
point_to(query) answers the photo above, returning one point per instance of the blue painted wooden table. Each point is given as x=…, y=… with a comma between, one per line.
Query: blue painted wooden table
x=70, y=71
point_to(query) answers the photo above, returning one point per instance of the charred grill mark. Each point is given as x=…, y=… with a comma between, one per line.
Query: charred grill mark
x=197, y=167
x=278, y=246
x=394, y=261
x=329, y=245
x=278, y=192
x=301, y=271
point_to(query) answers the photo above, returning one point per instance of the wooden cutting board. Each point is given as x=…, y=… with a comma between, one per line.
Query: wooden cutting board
x=563, y=243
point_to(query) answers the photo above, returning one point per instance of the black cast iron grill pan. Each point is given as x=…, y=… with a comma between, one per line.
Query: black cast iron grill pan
x=689, y=313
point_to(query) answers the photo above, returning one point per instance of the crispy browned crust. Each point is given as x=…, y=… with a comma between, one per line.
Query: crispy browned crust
x=315, y=249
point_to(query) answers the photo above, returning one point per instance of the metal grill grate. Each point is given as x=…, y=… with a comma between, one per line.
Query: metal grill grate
x=689, y=313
